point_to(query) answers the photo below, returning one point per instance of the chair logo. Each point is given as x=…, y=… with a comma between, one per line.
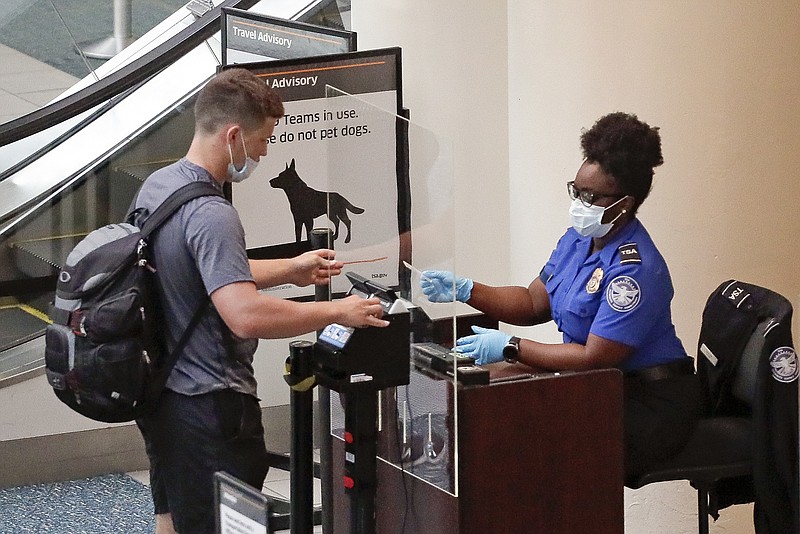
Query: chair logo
x=783, y=361
x=623, y=294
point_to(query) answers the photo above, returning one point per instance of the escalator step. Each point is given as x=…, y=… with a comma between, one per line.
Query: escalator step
x=20, y=324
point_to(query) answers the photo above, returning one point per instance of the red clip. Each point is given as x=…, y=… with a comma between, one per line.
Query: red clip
x=76, y=323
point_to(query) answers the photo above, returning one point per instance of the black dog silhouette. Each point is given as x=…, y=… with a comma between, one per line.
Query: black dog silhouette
x=307, y=203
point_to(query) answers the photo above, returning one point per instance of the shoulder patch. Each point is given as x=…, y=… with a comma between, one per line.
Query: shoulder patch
x=736, y=294
x=783, y=362
x=629, y=253
x=623, y=294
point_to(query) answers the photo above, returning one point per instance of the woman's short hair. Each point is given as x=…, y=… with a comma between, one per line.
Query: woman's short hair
x=627, y=149
x=236, y=96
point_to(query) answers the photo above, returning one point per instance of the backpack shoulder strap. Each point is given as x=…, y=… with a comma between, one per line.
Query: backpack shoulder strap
x=164, y=211
x=162, y=374
x=176, y=200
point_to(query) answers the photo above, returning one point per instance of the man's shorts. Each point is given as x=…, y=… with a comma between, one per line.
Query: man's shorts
x=188, y=439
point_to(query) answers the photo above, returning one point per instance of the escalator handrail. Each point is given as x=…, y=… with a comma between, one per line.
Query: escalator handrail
x=121, y=80
x=109, y=104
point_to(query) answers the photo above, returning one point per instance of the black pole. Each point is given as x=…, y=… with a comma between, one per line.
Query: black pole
x=361, y=435
x=323, y=238
x=301, y=457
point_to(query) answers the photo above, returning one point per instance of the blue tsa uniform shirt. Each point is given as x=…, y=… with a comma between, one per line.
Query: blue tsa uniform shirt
x=621, y=293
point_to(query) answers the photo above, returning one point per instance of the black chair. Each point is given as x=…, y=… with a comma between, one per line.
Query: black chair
x=745, y=448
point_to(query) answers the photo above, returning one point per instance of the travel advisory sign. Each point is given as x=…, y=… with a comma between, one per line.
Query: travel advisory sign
x=249, y=37
x=332, y=162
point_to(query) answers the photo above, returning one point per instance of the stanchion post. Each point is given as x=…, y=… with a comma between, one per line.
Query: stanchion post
x=323, y=238
x=301, y=456
x=108, y=47
x=361, y=415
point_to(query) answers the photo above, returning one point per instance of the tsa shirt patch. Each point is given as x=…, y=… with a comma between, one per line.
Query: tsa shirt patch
x=623, y=293
x=783, y=361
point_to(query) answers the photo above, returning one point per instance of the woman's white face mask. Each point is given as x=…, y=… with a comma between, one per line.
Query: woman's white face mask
x=587, y=220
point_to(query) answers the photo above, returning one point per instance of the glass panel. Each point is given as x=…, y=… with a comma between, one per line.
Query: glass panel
x=330, y=13
x=406, y=227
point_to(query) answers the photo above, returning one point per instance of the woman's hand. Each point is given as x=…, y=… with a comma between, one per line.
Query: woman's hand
x=438, y=286
x=485, y=346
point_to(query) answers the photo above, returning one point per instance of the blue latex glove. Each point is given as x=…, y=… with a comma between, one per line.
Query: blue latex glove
x=438, y=286
x=486, y=346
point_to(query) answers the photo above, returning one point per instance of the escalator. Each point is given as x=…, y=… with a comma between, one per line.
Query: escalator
x=33, y=247
x=77, y=163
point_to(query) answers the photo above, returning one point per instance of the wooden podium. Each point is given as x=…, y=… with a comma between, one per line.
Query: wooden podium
x=538, y=454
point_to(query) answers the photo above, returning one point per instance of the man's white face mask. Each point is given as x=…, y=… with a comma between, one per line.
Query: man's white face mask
x=239, y=175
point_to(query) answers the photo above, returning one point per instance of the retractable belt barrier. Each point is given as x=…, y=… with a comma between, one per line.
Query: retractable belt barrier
x=356, y=363
x=298, y=379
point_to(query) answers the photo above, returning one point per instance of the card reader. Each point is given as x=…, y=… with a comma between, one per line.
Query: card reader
x=443, y=360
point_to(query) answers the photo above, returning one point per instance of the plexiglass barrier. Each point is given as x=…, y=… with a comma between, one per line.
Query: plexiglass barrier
x=389, y=197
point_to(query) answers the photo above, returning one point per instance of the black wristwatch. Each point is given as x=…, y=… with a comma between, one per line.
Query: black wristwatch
x=511, y=350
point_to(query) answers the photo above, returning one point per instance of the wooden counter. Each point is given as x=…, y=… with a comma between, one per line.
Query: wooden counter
x=540, y=454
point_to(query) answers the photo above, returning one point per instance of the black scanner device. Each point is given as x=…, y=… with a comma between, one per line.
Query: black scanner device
x=371, y=358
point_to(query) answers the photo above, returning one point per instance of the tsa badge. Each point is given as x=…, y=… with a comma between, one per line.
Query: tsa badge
x=593, y=285
x=783, y=362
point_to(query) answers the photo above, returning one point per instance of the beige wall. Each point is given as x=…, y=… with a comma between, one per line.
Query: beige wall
x=720, y=78
x=455, y=83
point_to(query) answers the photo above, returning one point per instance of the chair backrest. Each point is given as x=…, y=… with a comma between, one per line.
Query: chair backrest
x=748, y=367
x=743, y=385
x=743, y=325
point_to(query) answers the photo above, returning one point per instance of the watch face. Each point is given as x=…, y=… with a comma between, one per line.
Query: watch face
x=510, y=352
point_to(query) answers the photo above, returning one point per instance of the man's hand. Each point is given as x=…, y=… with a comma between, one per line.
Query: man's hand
x=315, y=267
x=355, y=311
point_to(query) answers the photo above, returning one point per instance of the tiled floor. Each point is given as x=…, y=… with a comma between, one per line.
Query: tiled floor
x=27, y=84
x=276, y=485
x=45, y=34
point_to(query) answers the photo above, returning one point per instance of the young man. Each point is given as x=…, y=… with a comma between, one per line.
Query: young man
x=208, y=418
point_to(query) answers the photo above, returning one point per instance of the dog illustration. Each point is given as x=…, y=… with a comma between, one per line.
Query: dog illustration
x=307, y=203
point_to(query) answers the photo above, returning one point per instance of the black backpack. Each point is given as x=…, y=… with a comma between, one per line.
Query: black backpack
x=105, y=352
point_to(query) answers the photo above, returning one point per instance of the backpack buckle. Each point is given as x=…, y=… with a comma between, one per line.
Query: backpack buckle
x=77, y=323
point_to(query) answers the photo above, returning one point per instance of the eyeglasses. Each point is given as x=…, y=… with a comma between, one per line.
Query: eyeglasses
x=587, y=198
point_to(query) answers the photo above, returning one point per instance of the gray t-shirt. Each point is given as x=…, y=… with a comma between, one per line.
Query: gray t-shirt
x=198, y=250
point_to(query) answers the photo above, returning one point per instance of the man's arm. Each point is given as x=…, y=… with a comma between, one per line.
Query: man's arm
x=314, y=267
x=250, y=314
